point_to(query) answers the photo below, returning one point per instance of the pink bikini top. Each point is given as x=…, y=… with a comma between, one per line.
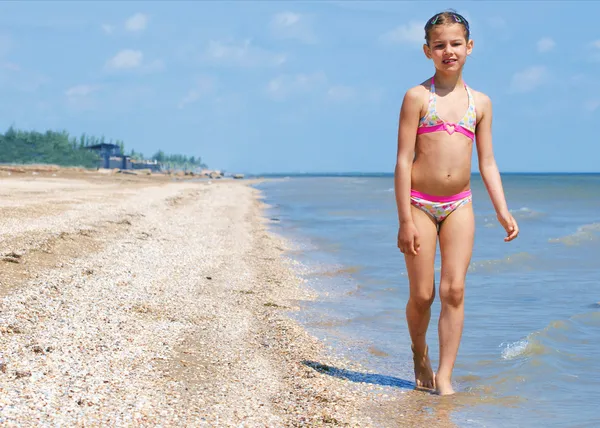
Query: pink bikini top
x=432, y=122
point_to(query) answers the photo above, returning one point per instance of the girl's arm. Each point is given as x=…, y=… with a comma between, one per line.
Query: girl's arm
x=489, y=169
x=407, y=135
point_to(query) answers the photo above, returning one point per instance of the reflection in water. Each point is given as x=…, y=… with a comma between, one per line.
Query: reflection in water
x=422, y=409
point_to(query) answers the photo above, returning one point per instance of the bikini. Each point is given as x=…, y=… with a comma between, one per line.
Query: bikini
x=440, y=207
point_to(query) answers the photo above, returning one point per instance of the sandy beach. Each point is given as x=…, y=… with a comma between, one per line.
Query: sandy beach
x=144, y=301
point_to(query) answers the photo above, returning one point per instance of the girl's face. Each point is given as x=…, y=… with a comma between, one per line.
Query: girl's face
x=447, y=47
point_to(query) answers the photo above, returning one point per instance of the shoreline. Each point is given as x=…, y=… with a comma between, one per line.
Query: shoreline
x=134, y=301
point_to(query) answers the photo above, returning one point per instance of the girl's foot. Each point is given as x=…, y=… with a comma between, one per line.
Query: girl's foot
x=424, y=378
x=443, y=386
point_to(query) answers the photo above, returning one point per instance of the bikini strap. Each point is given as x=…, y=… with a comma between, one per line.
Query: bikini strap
x=471, y=97
x=432, y=93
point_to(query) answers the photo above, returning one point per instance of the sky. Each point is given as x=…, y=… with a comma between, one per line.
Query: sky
x=316, y=86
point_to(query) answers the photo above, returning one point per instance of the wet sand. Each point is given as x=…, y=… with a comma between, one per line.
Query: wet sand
x=145, y=300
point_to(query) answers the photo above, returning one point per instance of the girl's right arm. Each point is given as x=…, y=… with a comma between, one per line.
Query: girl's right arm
x=407, y=135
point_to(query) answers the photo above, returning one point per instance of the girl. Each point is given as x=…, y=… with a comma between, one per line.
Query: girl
x=439, y=120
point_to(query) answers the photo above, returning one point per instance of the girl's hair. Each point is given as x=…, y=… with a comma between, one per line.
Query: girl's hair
x=445, y=18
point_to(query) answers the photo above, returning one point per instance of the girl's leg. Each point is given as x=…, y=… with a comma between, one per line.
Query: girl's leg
x=456, y=245
x=422, y=293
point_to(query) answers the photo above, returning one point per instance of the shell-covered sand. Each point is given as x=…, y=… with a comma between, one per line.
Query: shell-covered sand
x=142, y=301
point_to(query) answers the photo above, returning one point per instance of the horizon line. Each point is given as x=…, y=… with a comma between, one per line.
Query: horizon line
x=391, y=173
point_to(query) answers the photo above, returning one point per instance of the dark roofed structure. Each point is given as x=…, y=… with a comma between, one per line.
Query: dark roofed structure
x=106, y=151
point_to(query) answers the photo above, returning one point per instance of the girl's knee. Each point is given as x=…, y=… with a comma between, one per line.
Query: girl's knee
x=423, y=299
x=452, y=292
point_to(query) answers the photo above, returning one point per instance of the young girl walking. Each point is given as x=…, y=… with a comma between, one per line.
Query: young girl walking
x=439, y=120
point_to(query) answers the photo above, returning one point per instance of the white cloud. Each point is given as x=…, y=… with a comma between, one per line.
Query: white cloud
x=411, y=33
x=136, y=23
x=596, y=44
x=191, y=97
x=528, y=79
x=286, y=19
x=545, y=44
x=125, y=59
x=243, y=54
x=108, y=29
x=79, y=97
x=285, y=85
x=290, y=25
x=202, y=86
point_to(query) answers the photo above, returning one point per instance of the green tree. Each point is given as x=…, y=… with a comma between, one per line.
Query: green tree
x=53, y=147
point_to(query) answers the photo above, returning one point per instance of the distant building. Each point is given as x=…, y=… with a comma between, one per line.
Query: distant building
x=111, y=156
x=152, y=165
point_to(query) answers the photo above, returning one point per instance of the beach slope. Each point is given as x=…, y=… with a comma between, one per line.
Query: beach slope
x=129, y=300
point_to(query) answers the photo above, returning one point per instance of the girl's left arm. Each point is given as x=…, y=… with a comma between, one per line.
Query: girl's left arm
x=489, y=169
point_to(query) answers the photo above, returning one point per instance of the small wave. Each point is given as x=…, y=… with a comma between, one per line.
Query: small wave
x=525, y=213
x=513, y=350
x=342, y=271
x=528, y=347
x=522, y=259
x=299, y=246
x=585, y=233
x=546, y=341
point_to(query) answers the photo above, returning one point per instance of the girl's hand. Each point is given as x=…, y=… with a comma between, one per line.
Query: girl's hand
x=510, y=225
x=408, y=238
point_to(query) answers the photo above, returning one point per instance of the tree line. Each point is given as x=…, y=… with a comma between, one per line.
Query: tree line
x=60, y=148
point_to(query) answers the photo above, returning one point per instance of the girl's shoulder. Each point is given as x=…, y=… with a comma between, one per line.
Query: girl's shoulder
x=481, y=99
x=419, y=89
x=418, y=93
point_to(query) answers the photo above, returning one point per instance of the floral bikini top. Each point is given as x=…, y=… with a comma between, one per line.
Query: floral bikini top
x=432, y=122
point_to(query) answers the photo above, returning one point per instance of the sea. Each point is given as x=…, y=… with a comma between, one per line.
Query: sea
x=530, y=350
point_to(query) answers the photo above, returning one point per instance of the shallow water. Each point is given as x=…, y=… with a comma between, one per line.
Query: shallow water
x=529, y=354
